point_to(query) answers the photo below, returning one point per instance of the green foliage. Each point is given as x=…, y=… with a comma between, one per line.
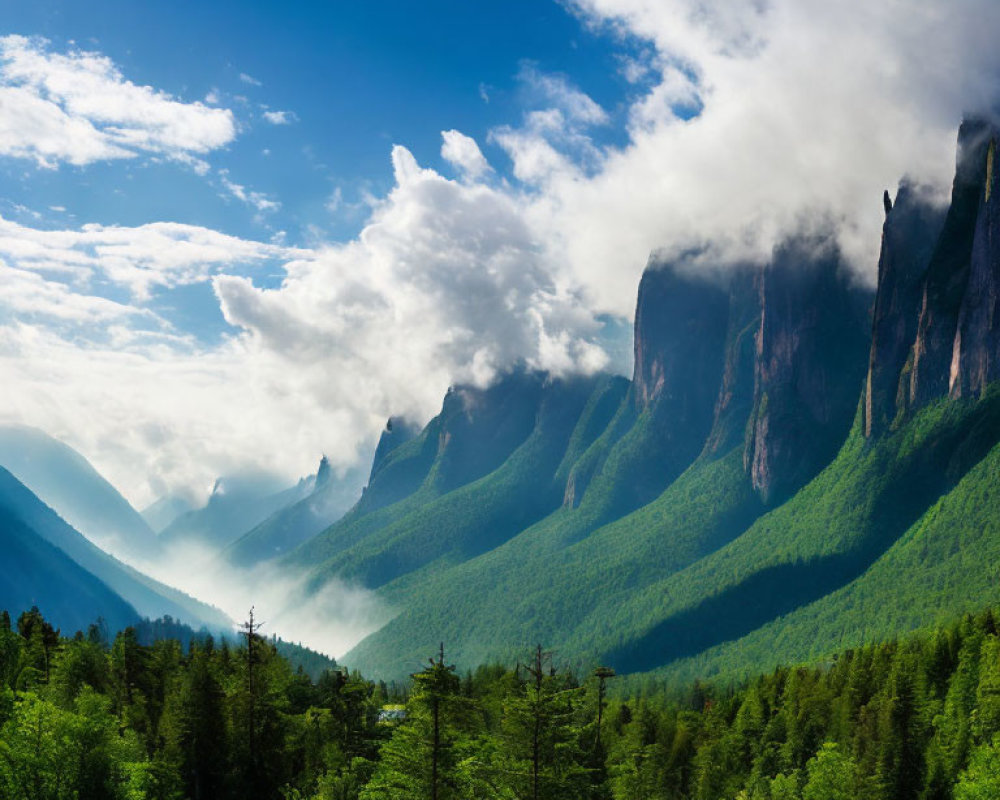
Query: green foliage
x=916, y=719
x=81, y=718
x=422, y=759
x=899, y=532
x=981, y=781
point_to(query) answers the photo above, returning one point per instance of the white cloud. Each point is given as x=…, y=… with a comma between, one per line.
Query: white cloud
x=280, y=117
x=553, y=139
x=257, y=200
x=139, y=259
x=446, y=283
x=807, y=109
x=463, y=152
x=78, y=108
x=250, y=80
x=556, y=91
x=29, y=295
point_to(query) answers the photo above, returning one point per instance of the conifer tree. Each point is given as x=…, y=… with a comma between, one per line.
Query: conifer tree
x=420, y=761
x=540, y=754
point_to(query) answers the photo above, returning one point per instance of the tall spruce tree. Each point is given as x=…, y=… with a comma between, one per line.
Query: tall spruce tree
x=420, y=761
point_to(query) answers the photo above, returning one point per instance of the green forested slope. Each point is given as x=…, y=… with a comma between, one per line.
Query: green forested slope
x=34, y=572
x=148, y=596
x=481, y=515
x=139, y=717
x=662, y=585
x=946, y=564
x=824, y=537
x=546, y=581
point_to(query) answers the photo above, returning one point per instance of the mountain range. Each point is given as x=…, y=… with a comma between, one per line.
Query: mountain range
x=798, y=464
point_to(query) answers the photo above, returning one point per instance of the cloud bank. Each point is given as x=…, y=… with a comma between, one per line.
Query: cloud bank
x=755, y=119
x=737, y=126
x=77, y=108
x=445, y=284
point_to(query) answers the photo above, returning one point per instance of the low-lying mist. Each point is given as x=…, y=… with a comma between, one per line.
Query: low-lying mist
x=331, y=619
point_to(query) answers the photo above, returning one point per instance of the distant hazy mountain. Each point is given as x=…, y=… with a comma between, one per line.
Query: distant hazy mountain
x=64, y=480
x=164, y=511
x=236, y=505
x=34, y=572
x=289, y=526
x=21, y=510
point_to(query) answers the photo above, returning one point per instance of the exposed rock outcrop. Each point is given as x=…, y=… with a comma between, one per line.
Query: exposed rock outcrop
x=948, y=272
x=936, y=325
x=908, y=236
x=810, y=356
x=736, y=392
x=680, y=329
x=472, y=435
x=976, y=351
x=398, y=431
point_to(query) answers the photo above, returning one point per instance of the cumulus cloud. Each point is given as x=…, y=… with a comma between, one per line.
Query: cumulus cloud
x=78, y=108
x=445, y=284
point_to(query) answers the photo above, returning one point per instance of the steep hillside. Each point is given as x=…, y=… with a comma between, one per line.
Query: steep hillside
x=777, y=532
x=441, y=523
x=34, y=572
x=147, y=596
x=66, y=481
x=641, y=502
x=942, y=566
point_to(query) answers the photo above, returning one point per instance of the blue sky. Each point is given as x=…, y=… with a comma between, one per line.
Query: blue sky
x=353, y=79
x=343, y=81
x=236, y=236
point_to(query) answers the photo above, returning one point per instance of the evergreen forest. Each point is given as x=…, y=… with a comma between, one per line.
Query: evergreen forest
x=82, y=717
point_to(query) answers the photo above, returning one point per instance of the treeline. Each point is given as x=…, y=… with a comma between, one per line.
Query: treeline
x=86, y=718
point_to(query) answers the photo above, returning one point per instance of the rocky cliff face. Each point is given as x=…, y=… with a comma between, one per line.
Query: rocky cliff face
x=480, y=428
x=736, y=391
x=936, y=327
x=680, y=329
x=681, y=322
x=476, y=430
x=810, y=353
x=911, y=228
x=976, y=351
x=948, y=273
x=771, y=358
x=661, y=425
